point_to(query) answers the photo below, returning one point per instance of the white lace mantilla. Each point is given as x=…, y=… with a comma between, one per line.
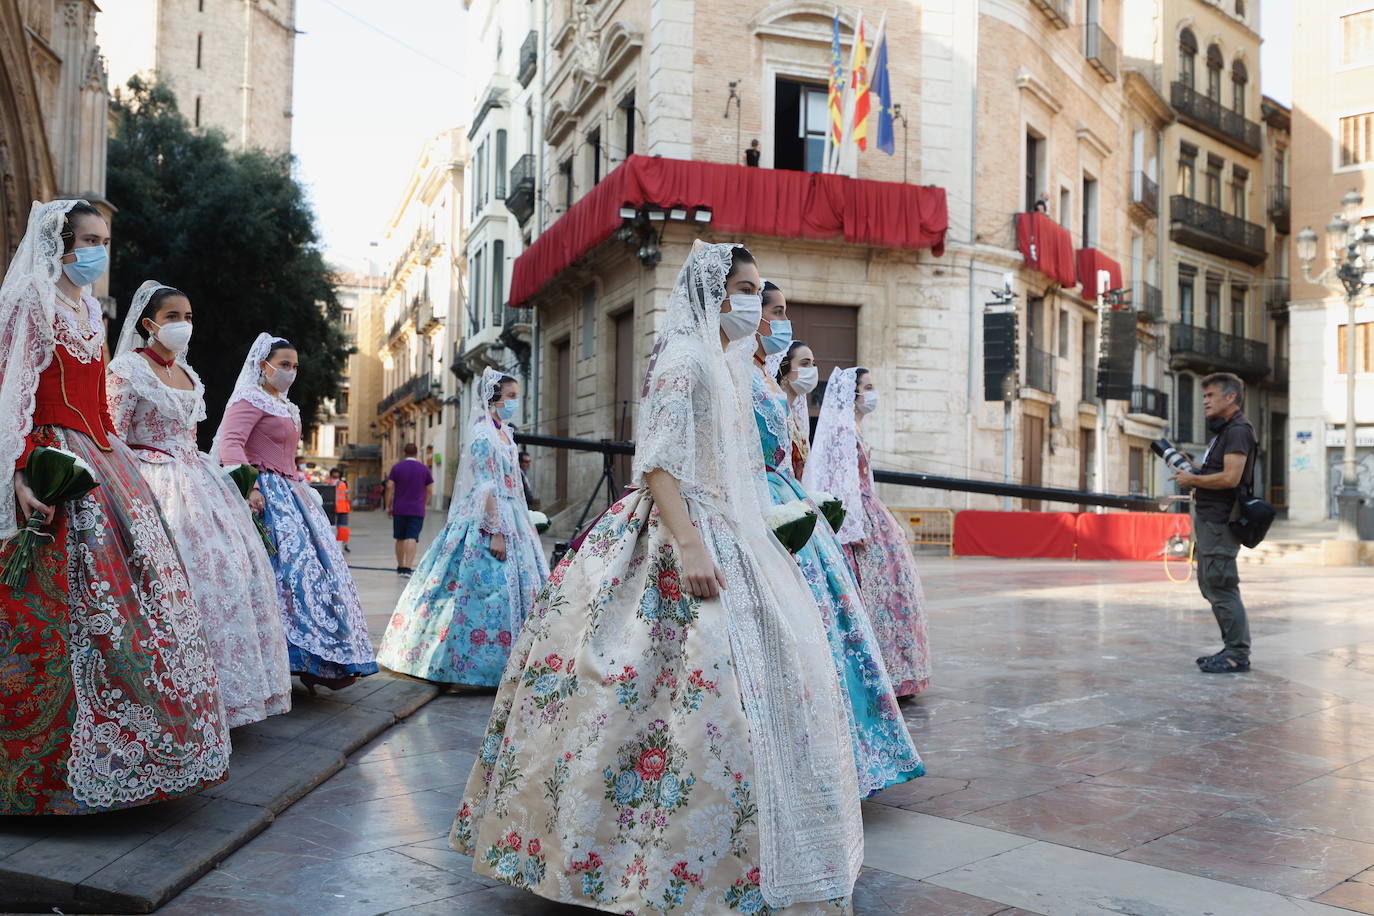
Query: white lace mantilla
x=277, y=407
x=162, y=416
x=72, y=336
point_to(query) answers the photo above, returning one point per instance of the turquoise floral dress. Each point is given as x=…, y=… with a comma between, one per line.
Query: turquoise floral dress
x=883, y=750
x=459, y=615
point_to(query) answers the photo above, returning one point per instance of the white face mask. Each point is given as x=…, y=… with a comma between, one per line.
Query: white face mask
x=281, y=379
x=743, y=318
x=175, y=335
x=807, y=379
x=868, y=401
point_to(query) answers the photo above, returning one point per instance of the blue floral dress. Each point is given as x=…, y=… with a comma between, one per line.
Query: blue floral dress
x=883, y=750
x=462, y=609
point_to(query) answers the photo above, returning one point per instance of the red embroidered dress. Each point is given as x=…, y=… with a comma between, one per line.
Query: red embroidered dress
x=108, y=698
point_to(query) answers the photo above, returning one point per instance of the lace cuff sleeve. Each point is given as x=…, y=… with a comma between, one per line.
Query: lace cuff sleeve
x=667, y=429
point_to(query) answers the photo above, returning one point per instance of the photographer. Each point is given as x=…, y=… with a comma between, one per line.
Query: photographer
x=1227, y=465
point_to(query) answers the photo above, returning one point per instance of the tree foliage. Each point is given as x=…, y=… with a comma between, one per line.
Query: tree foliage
x=234, y=232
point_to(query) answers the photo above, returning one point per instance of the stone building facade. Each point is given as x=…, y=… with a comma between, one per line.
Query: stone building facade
x=423, y=305
x=230, y=62
x=1333, y=123
x=53, y=113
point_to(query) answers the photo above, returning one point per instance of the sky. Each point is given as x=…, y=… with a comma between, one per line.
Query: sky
x=374, y=81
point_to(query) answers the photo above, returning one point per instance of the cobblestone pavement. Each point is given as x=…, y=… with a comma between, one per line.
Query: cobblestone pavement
x=1078, y=763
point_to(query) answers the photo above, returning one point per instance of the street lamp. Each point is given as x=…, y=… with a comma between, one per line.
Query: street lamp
x=1351, y=272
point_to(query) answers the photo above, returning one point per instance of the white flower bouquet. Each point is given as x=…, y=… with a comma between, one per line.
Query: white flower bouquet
x=793, y=523
x=831, y=508
x=539, y=520
x=55, y=476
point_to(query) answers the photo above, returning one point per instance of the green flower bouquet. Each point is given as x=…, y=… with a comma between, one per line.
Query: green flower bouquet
x=245, y=476
x=55, y=476
x=793, y=523
x=831, y=508
x=539, y=520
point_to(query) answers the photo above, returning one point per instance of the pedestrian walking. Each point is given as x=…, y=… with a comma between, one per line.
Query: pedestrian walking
x=343, y=506
x=326, y=633
x=670, y=715
x=459, y=615
x=156, y=399
x=883, y=749
x=108, y=699
x=873, y=539
x=408, y=488
x=1227, y=473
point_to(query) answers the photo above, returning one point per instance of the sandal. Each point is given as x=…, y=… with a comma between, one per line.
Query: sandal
x=1202, y=659
x=1224, y=664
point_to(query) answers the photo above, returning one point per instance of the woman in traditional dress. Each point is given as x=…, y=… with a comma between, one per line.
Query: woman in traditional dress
x=670, y=733
x=883, y=749
x=795, y=371
x=108, y=697
x=873, y=540
x=326, y=633
x=461, y=611
x=156, y=400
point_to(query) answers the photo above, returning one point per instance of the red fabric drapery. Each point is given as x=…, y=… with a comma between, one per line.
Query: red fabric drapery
x=1128, y=535
x=1047, y=247
x=1045, y=535
x=742, y=200
x=1090, y=261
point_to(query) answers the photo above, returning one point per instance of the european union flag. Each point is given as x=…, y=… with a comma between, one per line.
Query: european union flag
x=882, y=85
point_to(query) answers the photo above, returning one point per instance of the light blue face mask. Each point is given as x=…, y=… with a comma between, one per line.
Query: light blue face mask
x=780, y=339
x=507, y=411
x=89, y=266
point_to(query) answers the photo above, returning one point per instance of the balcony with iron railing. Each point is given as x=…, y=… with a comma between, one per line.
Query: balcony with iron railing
x=520, y=196
x=1208, y=115
x=1277, y=295
x=1144, y=194
x=1040, y=370
x=529, y=59
x=1209, y=229
x=398, y=394
x=1280, y=208
x=1100, y=50
x=1150, y=306
x=1206, y=350
x=1150, y=402
x=1057, y=11
x=1087, y=389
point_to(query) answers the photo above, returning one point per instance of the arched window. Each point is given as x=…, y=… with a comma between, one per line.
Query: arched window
x=1239, y=79
x=1214, y=67
x=1187, y=58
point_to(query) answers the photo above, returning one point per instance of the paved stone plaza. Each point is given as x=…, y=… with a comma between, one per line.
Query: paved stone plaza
x=1078, y=763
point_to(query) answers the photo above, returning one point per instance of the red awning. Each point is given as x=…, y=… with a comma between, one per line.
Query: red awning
x=742, y=200
x=1047, y=247
x=1090, y=261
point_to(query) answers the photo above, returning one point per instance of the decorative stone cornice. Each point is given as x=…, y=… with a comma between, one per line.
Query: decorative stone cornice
x=1029, y=83
x=1088, y=137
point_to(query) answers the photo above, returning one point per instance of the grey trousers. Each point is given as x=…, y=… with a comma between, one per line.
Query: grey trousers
x=1219, y=581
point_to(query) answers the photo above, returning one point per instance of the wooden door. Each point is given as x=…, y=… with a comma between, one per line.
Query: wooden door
x=1032, y=452
x=832, y=333
x=626, y=392
x=562, y=413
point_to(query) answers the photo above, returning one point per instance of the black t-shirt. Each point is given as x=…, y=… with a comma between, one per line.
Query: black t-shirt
x=751, y=157
x=1236, y=438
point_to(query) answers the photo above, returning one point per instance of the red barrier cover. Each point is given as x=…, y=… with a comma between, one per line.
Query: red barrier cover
x=1047, y=247
x=1090, y=261
x=1127, y=535
x=776, y=202
x=1044, y=535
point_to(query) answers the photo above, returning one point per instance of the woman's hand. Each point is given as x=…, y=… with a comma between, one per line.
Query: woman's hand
x=28, y=503
x=256, y=502
x=700, y=573
x=498, y=547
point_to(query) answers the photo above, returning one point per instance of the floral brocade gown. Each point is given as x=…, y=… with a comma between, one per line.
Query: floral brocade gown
x=462, y=608
x=883, y=750
x=891, y=589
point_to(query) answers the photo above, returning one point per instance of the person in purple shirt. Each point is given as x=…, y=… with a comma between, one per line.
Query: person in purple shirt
x=407, y=494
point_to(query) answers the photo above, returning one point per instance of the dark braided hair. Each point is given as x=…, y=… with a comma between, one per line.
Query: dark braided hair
x=154, y=304
x=79, y=209
x=501, y=384
x=859, y=372
x=278, y=343
x=785, y=367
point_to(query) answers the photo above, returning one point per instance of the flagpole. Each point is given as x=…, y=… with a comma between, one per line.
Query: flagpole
x=847, y=108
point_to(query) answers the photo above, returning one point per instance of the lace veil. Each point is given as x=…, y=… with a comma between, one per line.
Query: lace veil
x=248, y=388
x=796, y=403
x=27, y=312
x=833, y=466
x=470, y=495
x=129, y=365
x=696, y=422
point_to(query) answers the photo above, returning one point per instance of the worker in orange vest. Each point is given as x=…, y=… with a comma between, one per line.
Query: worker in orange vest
x=341, y=506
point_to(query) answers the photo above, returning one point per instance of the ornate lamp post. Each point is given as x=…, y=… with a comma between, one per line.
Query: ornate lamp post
x=1351, y=244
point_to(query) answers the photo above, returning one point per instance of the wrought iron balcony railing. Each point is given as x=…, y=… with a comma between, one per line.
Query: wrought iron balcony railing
x=520, y=196
x=1209, y=229
x=1058, y=11
x=1149, y=401
x=1040, y=370
x=1100, y=50
x=1277, y=296
x=1151, y=304
x=1280, y=207
x=1145, y=193
x=1206, y=350
x=529, y=59
x=1211, y=117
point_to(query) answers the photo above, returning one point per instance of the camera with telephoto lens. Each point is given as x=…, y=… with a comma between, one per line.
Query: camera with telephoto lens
x=1172, y=456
